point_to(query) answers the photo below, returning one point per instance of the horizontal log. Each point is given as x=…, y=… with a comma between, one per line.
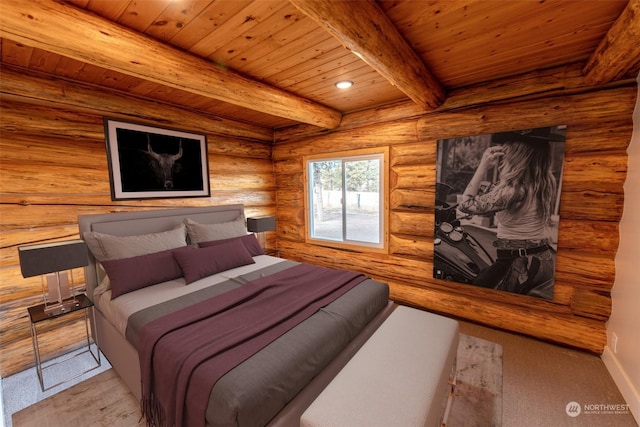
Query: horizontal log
x=582, y=205
x=417, y=272
x=566, y=329
x=42, y=149
x=530, y=85
x=287, y=166
x=410, y=199
x=60, y=180
x=592, y=172
x=63, y=180
x=570, y=110
x=595, y=237
x=601, y=172
x=591, y=206
x=422, y=153
x=385, y=134
x=291, y=182
x=23, y=215
x=404, y=245
x=24, y=123
x=598, y=237
x=9, y=240
x=591, y=303
x=102, y=201
x=39, y=89
x=290, y=199
x=558, y=81
x=595, y=270
x=40, y=205
x=419, y=224
x=563, y=295
x=602, y=136
x=24, y=119
x=413, y=176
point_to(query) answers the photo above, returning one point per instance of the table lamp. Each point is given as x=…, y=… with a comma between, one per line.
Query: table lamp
x=261, y=224
x=56, y=258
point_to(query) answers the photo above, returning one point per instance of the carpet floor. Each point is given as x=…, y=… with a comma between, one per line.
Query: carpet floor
x=104, y=400
x=22, y=390
x=542, y=381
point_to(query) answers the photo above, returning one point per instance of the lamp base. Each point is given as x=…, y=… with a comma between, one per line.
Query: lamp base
x=61, y=307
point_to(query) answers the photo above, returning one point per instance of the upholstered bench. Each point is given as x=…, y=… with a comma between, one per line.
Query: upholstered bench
x=400, y=377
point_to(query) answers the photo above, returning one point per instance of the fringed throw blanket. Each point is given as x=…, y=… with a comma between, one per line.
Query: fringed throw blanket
x=183, y=354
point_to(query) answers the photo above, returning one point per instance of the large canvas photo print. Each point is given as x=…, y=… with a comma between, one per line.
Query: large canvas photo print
x=497, y=210
x=150, y=162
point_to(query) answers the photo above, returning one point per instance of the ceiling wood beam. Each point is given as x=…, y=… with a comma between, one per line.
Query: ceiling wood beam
x=363, y=28
x=619, y=50
x=71, y=32
x=35, y=88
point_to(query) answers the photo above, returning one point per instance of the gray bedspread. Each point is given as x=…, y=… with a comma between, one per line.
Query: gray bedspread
x=256, y=390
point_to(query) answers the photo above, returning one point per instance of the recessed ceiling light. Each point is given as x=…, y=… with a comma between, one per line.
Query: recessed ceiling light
x=344, y=84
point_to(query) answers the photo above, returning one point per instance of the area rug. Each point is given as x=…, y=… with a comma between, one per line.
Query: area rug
x=477, y=400
x=104, y=399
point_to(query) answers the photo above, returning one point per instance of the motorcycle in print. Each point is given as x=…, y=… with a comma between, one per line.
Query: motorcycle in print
x=458, y=256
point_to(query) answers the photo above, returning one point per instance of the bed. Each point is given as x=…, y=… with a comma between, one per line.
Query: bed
x=262, y=389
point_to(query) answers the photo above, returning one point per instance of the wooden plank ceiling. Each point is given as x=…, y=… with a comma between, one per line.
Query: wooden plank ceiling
x=273, y=63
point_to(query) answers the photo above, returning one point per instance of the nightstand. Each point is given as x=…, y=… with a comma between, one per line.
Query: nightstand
x=37, y=315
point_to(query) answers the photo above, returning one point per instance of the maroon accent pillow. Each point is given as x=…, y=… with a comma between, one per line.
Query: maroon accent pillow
x=249, y=241
x=130, y=274
x=203, y=262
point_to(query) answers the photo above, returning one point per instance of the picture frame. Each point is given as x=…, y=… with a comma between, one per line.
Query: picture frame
x=497, y=209
x=147, y=162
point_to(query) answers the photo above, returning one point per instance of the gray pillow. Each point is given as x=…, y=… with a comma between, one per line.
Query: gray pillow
x=207, y=232
x=106, y=247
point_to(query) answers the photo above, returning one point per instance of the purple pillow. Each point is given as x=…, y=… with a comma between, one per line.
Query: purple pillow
x=130, y=274
x=202, y=262
x=249, y=241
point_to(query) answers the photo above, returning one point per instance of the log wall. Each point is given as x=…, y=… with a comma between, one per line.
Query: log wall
x=599, y=126
x=54, y=168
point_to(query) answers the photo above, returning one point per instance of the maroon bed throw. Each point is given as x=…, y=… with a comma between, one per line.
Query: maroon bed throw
x=184, y=353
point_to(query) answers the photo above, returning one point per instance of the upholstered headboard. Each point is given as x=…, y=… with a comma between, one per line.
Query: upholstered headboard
x=145, y=222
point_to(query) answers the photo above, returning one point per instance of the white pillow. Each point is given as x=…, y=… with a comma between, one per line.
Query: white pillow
x=107, y=247
x=207, y=232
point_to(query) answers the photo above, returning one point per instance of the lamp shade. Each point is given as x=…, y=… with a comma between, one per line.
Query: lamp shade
x=261, y=223
x=51, y=257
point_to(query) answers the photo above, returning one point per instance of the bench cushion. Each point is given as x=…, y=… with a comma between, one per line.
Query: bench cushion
x=400, y=377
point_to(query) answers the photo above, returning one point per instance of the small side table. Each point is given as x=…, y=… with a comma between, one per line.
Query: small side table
x=37, y=314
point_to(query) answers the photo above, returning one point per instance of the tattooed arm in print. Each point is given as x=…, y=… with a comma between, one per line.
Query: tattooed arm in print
x=492, y=201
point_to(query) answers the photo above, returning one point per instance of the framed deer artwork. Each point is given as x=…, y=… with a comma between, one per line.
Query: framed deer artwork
x=148, y=162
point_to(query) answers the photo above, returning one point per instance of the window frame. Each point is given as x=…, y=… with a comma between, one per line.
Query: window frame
x=351, y=155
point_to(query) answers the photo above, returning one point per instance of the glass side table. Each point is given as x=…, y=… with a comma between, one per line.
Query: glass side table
x=37, y=315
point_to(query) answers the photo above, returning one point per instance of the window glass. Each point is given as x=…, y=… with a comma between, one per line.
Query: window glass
x=345, y=199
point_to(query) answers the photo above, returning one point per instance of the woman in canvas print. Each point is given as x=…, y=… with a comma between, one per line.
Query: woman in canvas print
x=522, y=200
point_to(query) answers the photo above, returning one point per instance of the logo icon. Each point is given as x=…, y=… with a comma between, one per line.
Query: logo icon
x=573, y=409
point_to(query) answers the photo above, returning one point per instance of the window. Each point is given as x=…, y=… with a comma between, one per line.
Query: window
x=345, y=198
